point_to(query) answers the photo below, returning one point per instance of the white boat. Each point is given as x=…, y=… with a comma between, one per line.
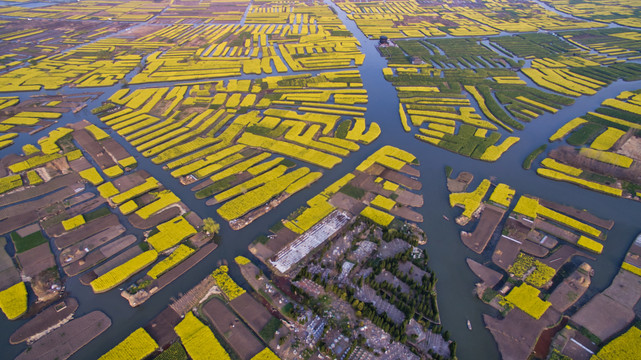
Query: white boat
x=469, y=325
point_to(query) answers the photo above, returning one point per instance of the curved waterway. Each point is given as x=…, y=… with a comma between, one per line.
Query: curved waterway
x=455, y=287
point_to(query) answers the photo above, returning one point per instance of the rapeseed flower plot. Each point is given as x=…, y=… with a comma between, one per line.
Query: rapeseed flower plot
x=226, y=284
x=13, y=301
x=199, y=340
x=526, y=298
x=136, y=346
x=626, y=346
x=179, y=254
x=118, y=275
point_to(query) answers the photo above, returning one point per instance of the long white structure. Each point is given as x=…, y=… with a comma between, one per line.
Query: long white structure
x=311, y=239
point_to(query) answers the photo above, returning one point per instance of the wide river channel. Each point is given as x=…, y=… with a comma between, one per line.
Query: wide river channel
x=455, y=286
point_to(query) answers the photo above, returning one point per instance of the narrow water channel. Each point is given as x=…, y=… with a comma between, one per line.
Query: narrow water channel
x=447, y=254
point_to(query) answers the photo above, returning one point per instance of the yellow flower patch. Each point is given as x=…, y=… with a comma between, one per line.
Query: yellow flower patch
x=401, y=112
x=607, y=157
x=107, y=190
x=73, y=223
x=241, y=260
x=244, y=203
x=73, y=155
x=567, y=128
x=631, y=268
x=136, y=346
x=470, y=200
x=48, y=144
x=30, y=149
x=177, y=256
x=539, y=273
x=587, y=243
x=32, y=162
x=149, y=184
x=383, y=202
x=266, y=354
x=92, y=176
x=199, y=340
x=555, y=165
x=118, y=275
x=502, y=195
x=391, y=186
x=13, y=301
x=526, y=298
x=607, y=139
x=318, y=209
x=128, y=207
x=571, y=179
x=128, y=162
x=494, y=152
x=226, y=284
x=527, y=206
x=98, y=133
x=164, y=199
x=626, y=346
x=379, y=217
x=9, y=183
x=171, y=233
x=34, y=178
x=113, y=171
x=388, y=156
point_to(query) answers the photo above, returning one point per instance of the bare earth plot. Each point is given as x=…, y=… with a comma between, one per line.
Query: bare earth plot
x=235, y=332
x=253, y=312
x=516, y=334
x=97, y=256
x=67, y=339
x=161, y=328
x=79, y=249
x=8, y=273
x=612, y=310
x=44, y=320
x=36, y=260
x=89, y=229
x=490, y=219
x=487, y=275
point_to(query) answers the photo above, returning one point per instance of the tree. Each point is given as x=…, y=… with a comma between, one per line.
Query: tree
x=452, y=349
x=211, y=226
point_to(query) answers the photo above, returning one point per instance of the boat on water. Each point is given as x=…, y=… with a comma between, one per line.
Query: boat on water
x=469, y=325
x=446, y=218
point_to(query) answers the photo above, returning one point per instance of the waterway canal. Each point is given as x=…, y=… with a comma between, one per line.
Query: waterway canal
x=447, y=254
